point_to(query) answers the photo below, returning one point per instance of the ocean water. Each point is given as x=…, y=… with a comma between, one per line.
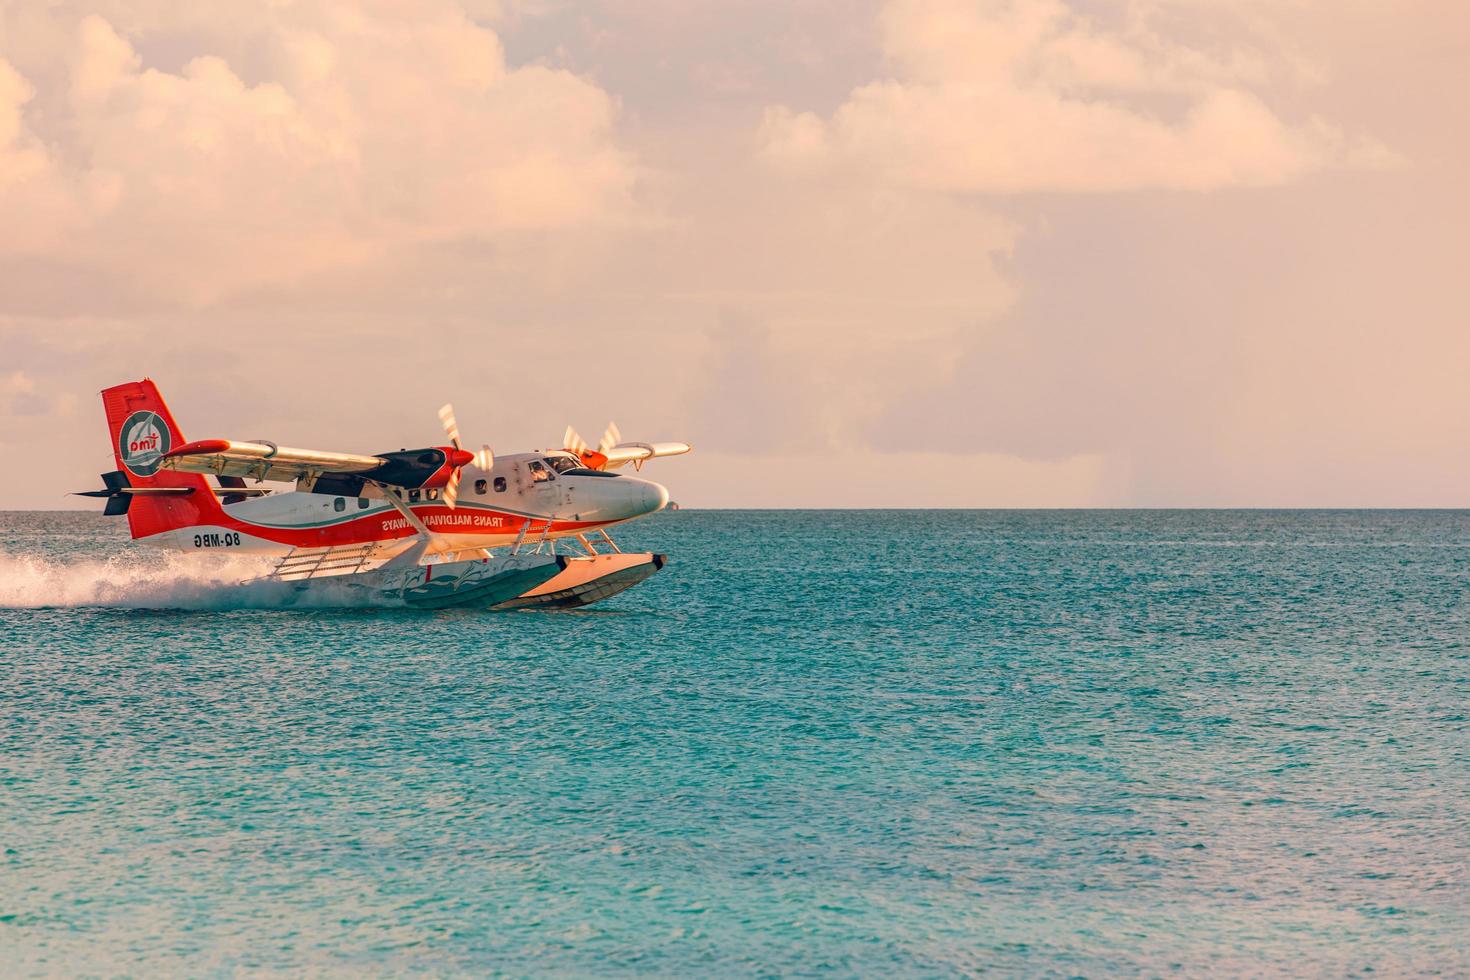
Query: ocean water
x=912, y=743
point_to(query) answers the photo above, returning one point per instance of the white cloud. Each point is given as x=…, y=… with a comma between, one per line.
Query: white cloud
x=347, y=132
x=35, y=204
x=258, y=204
x=1009, y=96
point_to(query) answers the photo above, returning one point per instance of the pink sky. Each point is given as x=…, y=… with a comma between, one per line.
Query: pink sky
x=877, y=253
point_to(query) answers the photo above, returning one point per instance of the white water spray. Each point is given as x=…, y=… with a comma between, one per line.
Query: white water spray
x=165, y=581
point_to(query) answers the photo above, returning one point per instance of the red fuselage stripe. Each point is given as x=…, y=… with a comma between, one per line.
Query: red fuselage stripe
x=390, y=525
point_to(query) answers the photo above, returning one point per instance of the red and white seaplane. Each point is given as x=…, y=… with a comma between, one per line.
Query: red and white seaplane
x=435, y=527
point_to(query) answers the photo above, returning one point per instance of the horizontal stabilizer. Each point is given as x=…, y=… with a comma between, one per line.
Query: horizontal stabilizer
x=174, y=492
x=119, y=492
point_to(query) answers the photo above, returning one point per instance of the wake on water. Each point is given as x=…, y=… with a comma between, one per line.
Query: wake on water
x=167, y=581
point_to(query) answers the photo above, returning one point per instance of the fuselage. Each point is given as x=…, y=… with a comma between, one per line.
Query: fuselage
x=522, y=496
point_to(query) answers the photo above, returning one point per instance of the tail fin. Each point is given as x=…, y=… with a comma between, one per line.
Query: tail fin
x=143, y=430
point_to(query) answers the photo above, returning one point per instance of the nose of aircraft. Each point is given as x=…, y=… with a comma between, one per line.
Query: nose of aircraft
x=656, y=496
x=645, y=496
x=621, y=499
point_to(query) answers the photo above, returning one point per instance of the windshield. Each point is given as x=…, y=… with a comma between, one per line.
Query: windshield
x=562, y=463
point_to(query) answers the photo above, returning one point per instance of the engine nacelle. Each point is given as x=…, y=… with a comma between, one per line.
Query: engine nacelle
x=592, y=459
x=420, y=469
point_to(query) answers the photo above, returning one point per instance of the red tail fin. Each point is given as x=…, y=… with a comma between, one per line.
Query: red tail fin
x=143, y=429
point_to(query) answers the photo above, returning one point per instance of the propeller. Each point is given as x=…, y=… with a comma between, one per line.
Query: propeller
x=573, y=441
x=610, y=438
x=612, y=451
x=595, y=459
x=484, y=459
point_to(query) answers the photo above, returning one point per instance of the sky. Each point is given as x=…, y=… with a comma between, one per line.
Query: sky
x=872, y=253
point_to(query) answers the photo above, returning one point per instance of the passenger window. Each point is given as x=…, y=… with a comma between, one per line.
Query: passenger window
x=500, y=484
x=432, y=494
x=362, y=503
x=413, y=496
x=481, y=486
x=339, y=504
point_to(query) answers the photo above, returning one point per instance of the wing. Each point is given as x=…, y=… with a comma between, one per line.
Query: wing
x=639, y=452
x=263, y=460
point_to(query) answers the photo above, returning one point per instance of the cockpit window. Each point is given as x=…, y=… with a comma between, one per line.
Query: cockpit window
x=562, y=463
x=539, y=473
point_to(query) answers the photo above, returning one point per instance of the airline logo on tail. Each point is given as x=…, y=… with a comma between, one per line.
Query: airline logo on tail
x=142, y=442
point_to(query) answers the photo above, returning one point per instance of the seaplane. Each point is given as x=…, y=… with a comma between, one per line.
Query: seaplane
x=433, y=528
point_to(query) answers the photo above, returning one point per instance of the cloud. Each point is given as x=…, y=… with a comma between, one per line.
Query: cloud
x=19, y=397
x=276, y=210
x=1012, y=96
x=36, y=205
x=338, y=134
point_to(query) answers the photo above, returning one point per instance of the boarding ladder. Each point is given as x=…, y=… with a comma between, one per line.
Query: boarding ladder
x=305, y=563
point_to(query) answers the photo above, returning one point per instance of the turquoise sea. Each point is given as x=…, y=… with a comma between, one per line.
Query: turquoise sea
x=851, y=743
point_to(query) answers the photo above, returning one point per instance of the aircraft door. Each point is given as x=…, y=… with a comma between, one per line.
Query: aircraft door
x=545, y=489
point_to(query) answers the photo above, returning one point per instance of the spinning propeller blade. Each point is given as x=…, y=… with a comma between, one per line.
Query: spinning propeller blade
x=612, y=451
x=610, y=438
x=573, y=441
x=451, y=489
x=451, y=426
x=595, y=459
x=484, y=459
